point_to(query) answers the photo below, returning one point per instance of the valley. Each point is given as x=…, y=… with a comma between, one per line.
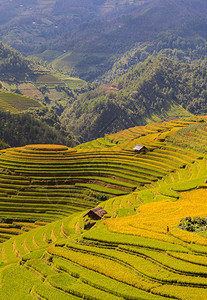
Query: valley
x=103, y=139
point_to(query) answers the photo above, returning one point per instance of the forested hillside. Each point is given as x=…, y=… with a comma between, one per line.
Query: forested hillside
x=145, y=93
x=13, y=66
x=29, y=87
x=21, y=129
x=172, y=44
x=159, y=88
x=149, y=58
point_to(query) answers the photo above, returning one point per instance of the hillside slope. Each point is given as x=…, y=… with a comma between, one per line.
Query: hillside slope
x=29, y=86
x=146, y=93
x=93, y=48
x=21, y=129
x=131, y=254
x=87, y=39
x=15, y=103
x=13, y=65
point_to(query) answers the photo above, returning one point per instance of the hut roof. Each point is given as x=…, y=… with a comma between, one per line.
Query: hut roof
x=99, y=211
x=139, y=147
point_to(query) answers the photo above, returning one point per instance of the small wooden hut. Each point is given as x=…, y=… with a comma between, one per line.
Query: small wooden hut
x=139, y=149
x=96, y=213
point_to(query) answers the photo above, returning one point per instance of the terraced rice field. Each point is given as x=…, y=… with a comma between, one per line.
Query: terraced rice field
x=59, y=79
x=15, y=103
x=45, y=183
x=129, y=255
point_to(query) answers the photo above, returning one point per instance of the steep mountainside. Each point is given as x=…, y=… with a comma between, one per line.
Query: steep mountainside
x=28, y=86
x=13, y=65
x=92, y=51
x=159, y=88
x=87, y=38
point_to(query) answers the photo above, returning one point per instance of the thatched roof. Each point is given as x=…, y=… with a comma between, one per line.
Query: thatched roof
x=139, y=147
x=99, y=212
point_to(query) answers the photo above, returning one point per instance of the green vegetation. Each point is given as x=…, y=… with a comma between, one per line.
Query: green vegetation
x=97, y=47
x=144, y=94
x=192, y=137
x=15, y=103
x=146, y=246
x=105, y=34
x=13, y=65
x=193, y=224
x=3, y=145
x=22, y=129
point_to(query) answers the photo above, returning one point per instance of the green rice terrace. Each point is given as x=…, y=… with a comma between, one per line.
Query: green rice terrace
x=51, y=247
x=16, y=103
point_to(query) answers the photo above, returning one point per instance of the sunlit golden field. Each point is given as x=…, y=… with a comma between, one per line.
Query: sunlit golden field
x=152, y=219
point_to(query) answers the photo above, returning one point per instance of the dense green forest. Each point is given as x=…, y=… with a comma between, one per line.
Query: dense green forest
x=13, y=65
x=22, y=129
x=171, y=44
x=156, y=89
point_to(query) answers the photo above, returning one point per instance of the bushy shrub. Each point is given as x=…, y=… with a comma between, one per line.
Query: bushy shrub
x=193, y=224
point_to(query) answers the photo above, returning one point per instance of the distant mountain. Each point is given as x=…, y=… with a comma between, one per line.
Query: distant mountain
x=157, y=89
x=30, y=26
x=85, y=38
x=93, y=48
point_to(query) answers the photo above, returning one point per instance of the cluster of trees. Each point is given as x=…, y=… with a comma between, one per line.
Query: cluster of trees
x=50, y=117
x=22, y=129
x=13, y=65
x=171, y=44
x=3, y=145
x=193, y=224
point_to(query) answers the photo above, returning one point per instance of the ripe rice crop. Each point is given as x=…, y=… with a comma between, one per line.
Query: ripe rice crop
x=181, y=292
x=188, y=237
x=172, y=262
x=103, y=236
x=193, y=258
x=47, y=147
x=102, y=265
x=102, y=282
x=153, y=218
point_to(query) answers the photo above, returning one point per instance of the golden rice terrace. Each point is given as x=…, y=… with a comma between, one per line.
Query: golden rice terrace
x=52, y=250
